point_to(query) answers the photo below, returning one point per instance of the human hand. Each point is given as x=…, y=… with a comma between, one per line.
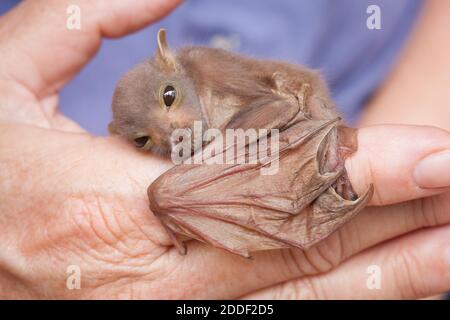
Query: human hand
x=68, y=198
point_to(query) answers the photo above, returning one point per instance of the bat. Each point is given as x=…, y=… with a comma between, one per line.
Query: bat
x=232, y=205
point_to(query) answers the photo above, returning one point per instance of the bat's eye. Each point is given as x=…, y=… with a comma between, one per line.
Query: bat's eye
x=141, y=142
x=169, y=95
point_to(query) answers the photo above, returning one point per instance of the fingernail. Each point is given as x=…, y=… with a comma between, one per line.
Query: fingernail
x=434, y=171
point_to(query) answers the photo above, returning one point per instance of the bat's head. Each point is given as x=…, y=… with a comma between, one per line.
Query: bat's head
x=152, y=100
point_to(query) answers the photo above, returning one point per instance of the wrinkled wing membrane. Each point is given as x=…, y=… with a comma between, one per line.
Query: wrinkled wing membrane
x=235, y=207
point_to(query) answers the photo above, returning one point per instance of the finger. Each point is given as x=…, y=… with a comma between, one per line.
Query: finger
x=410, y=267
x=35, y=33
x=388, y=155
x=373, y=226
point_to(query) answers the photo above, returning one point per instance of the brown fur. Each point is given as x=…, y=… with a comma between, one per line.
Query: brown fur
x=219, y=88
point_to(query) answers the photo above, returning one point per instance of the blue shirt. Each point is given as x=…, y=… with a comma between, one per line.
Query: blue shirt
x=329, y=35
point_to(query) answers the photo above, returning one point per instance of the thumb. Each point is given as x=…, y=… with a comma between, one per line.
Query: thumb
x=403, y=162
x=40, y=53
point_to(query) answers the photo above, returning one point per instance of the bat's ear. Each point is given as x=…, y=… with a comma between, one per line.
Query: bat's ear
x=164, y=55
x=112, y=128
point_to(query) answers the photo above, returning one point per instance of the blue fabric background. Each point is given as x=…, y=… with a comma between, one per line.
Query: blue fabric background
x=330, y=35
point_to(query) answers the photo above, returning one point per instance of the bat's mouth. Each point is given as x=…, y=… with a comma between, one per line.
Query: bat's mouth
x=176, y=139
x=181, y=145
x=184, y=142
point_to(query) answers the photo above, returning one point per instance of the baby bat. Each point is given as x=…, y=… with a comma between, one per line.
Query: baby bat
x=233, y=206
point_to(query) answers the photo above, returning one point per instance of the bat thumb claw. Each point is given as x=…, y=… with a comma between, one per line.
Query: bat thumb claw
x=179, y=245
